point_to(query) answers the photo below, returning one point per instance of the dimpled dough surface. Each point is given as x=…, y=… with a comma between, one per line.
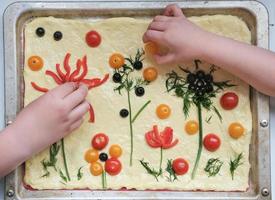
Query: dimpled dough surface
x=124, y=35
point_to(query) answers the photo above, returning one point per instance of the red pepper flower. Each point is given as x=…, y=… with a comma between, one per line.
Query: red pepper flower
x=163, y=139
x=78, y=75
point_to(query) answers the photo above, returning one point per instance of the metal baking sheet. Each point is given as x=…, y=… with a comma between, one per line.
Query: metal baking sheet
x=18, y=14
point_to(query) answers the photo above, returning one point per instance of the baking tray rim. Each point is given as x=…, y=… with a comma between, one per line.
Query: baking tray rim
x=13, y=13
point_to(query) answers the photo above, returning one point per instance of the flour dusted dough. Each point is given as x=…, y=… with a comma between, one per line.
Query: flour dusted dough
x=124, y=35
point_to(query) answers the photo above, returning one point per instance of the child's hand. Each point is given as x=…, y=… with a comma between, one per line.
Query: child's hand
x=184, y=40
x=52, y=116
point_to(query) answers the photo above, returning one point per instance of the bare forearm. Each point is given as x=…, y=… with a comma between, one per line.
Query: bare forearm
x=254, y=65
x=12, y=150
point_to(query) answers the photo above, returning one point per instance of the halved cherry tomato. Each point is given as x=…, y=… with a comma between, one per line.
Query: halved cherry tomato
x=163, y=111
x=151, y=48
x=91, y=155
x=100, y=141
x=191, y=127
x=236, y=130
x=180, y=166
x=229, y=100
x=115, y=151
x=96, y=168
x=211, y=142
x=150, y=74
x=116, y=60
x=35, y=63
x=112, y=166
x=93, y=39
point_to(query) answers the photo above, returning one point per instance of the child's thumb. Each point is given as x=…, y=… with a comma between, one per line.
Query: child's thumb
x=164, y=59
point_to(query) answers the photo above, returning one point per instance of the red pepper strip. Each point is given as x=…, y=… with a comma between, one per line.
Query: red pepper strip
x=92, y=114
x=76, y=72
x=167, y=135
x=54, y=76
x=149, y=139
x=60, y=73
x=95, y=82
x=67, y=66
x=167, y=146
x=85, y=69
x=156, y=135
x=38, y=88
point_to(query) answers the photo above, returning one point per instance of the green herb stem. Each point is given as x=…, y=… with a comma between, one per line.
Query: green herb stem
x=131, y=127
x=160, y=162
x=200, y=142
x=104, y=180
x=64, y=159
x=140, y=110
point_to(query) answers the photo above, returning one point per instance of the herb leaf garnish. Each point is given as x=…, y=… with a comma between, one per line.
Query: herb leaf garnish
x=150, y=170
x=235, y=163
x=79, y=173
x=53, y=151
x=172, y=175
x=213, y=166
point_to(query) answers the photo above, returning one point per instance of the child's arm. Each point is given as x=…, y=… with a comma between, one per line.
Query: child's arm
x=187, y=41
x=41, y=123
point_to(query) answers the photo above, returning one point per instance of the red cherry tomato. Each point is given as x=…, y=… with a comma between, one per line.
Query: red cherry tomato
x=93, y=39
x=113, y=166
x=100, y=141
x=180, y=166
x=211, y=142
x=229, y=100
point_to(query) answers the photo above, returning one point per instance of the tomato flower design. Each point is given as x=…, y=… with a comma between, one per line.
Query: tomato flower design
x=96, y=159
x=78, y=75
x=163, y=140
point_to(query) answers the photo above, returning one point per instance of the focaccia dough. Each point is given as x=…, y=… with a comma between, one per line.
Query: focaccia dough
x=124, y=35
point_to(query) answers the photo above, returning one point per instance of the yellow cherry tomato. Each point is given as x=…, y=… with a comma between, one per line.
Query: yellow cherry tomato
x=150, y=74
x=163, y=111
x=151, y=48
x=191, y=127
x=91, y=155
x=35, y=63
x=115, y=151
x=116, y=60
x=96, y=168
x=236, y=130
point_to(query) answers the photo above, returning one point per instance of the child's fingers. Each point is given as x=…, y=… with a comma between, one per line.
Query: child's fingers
x=173, y=10
x=164, y=59
x=76, y=124
x=65, y=89
x=161, y=18
x=152, y=35
x=158, y=26
x=76, y=97
x=79, y=111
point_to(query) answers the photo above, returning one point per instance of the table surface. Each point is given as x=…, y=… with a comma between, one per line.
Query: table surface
x=270, y=4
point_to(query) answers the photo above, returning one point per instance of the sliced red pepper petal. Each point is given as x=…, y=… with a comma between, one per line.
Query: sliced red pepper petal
x=38, y=88
x=54, y=76
x=60, y=73
x=76, y=72
x=95, y=82
x=149, y=139
x=67, y=66
x=167, y=146
x=92, y=114
x=167, y=135
x=85, y=69
x=156, y=135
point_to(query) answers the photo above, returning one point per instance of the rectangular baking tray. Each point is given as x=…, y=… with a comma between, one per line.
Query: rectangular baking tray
x=18, y=14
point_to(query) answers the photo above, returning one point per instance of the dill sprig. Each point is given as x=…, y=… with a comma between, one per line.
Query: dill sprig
x=151, y=171
x=79, y=173
x=61, y=174
x=213, y=166
x=51, y=162
x=235, y=163
x=172, y=174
